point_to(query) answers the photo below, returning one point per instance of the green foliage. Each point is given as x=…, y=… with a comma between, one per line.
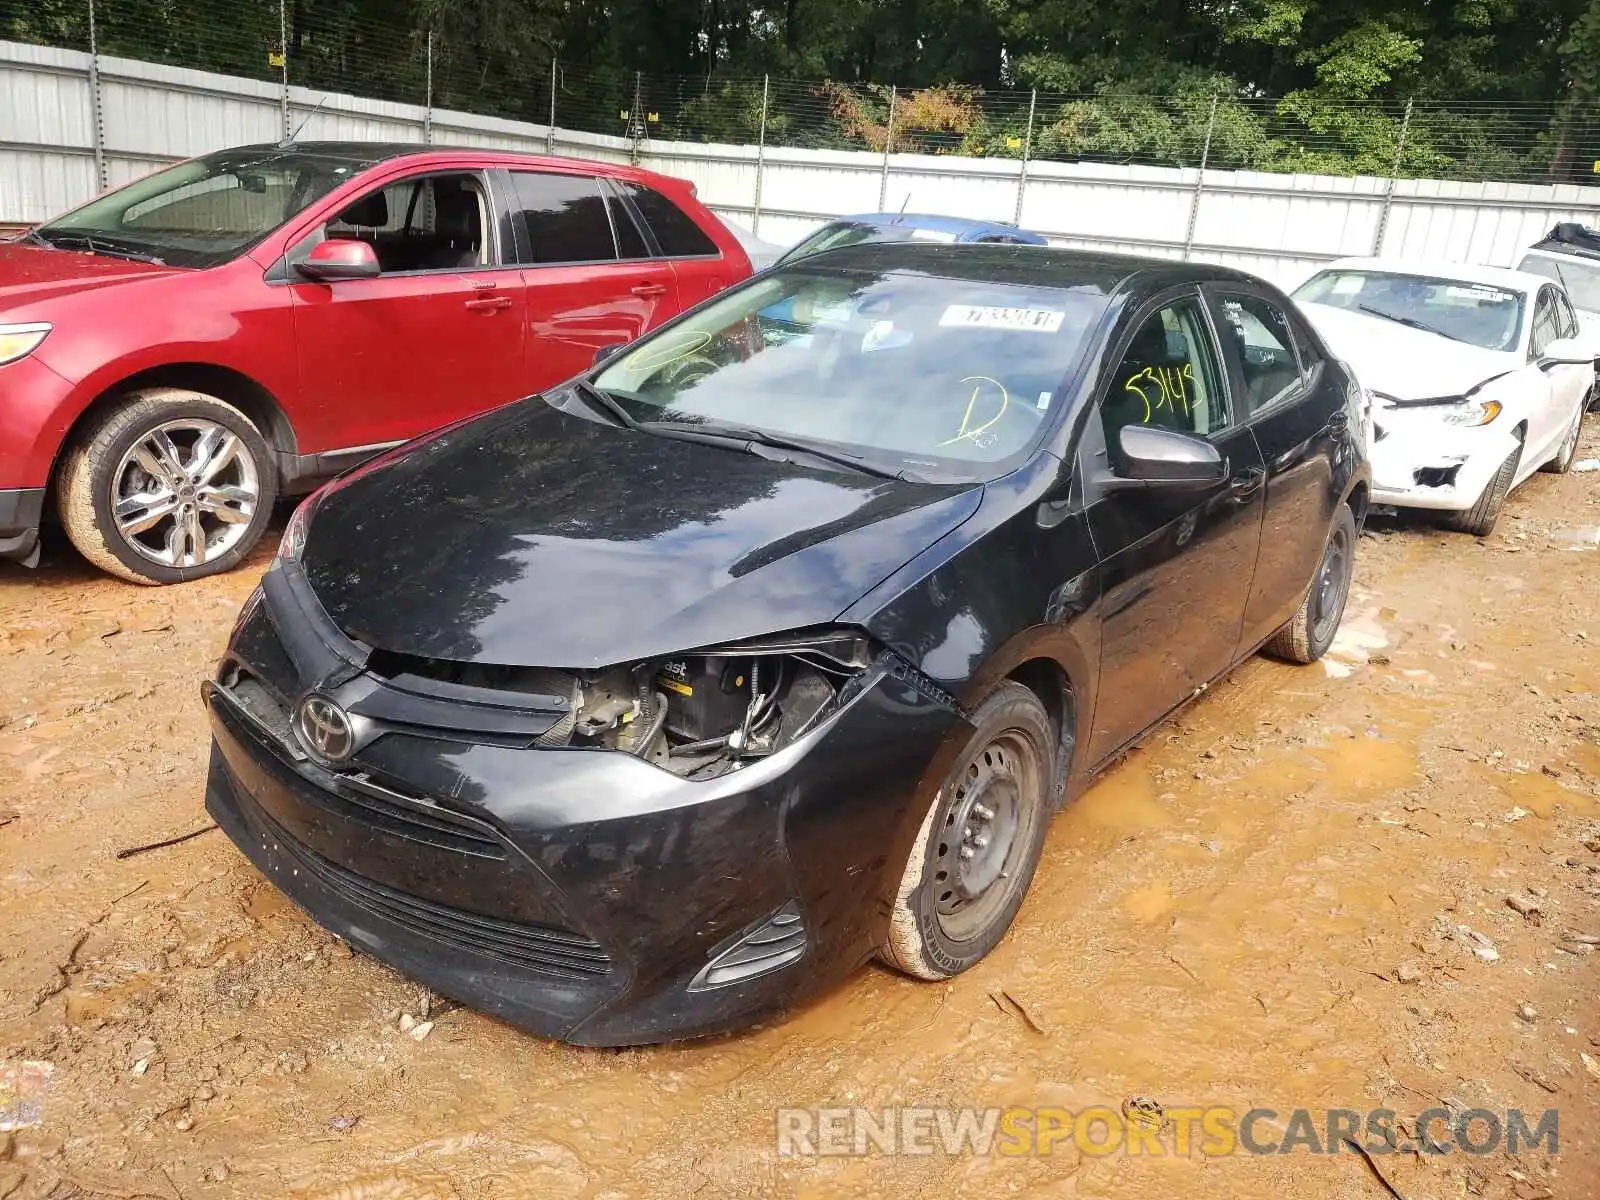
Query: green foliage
x=1501, y=87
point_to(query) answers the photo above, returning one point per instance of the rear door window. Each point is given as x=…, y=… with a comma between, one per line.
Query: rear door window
x=630, y=240
x=564, y=218
x=675, y=230
x=1256, y=332
x=1566, y=319
x=1545, y=329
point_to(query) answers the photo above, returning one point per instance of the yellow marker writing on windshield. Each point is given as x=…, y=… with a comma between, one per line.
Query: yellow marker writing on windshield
x=967, y=432
x=649, y=358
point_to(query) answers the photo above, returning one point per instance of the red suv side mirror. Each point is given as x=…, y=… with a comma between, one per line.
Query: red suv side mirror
x=339, y=258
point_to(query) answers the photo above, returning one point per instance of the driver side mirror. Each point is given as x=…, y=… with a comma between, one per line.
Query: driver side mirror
x=1563, y=352
x=339, y=258
x=606, y=353
x=1165, y=458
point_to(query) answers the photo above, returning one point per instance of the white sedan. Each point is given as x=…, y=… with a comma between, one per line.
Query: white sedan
x=1477, y=377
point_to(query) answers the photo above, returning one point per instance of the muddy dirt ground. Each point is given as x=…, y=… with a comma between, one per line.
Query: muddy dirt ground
x=1261, y=907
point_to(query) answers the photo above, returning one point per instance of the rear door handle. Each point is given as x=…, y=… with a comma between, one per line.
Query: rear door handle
x=650, y=289
x=489, y=304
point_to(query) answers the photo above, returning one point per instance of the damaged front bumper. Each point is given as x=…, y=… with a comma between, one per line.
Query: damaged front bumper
x=1420, y=462
x=584, y=894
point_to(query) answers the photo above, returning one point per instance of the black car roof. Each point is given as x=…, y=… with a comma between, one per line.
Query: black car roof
x=1034, y=266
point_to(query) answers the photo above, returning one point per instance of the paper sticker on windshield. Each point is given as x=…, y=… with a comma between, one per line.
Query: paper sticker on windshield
x=1348, y=285
x=982, y=316
x=931, y=235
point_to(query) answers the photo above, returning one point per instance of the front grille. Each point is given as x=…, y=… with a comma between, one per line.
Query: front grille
x=535, y=947
x=357, y=796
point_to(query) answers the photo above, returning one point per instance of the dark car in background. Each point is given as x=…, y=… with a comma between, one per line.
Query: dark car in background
x=177, y=353
x=636, y=710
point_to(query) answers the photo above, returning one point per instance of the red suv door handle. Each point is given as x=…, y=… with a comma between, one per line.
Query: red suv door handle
x=489, y=303
x=650, y=289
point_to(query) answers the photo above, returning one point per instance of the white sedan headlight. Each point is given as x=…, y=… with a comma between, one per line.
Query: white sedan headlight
x=19, y=341
x=1473, y=412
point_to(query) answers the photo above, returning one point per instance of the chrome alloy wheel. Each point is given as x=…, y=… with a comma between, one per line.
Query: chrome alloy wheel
x=185, y=492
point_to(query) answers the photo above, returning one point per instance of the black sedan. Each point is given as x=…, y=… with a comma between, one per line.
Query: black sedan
x=639, y=709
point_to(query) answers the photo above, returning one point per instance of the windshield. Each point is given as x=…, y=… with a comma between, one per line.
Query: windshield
x=1581, y=279
x=1478, y=313
x=203, y=212
x=850, y=233
x=908, y=370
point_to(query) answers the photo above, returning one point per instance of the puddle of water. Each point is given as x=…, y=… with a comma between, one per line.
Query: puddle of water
x=1537, y=793
x=1359, y=637
x=1579, y=539
x=1121, y=802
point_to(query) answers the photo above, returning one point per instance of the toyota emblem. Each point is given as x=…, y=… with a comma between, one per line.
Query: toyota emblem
x=325, y=729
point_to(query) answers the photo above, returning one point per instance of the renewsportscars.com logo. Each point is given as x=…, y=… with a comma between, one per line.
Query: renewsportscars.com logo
x=1145, y=1127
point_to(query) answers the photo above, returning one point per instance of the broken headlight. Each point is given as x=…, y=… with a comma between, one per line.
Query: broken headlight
x=705, y=711
x=293, y=543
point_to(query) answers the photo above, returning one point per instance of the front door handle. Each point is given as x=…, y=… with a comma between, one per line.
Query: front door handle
x=489, y=304
x=650, y=289
x=1247, y=484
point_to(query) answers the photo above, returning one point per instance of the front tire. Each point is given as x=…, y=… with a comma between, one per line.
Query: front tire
x=979, y=843
x=170, y=485
x=1311, y=630
x=1479, y=520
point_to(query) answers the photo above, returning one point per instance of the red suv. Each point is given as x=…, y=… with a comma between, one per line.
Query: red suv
x=176, y=354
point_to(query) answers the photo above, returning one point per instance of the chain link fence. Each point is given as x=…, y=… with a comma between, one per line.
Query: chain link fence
x=510, y=71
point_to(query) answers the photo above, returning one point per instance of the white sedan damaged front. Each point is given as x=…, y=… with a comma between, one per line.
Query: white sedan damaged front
x=1437, y=452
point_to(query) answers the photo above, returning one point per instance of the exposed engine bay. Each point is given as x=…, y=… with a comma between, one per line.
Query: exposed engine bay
x=701, y=714
x=698, y=714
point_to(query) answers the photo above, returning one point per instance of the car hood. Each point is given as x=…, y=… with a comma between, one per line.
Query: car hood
x=31, y=274
x=536, y=537
x=1406, y=363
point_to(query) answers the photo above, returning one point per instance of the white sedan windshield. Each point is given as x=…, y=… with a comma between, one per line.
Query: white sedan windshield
x=908, y=367
x=1479, y=314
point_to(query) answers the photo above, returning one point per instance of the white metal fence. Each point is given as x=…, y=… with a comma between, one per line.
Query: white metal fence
x=72, y=124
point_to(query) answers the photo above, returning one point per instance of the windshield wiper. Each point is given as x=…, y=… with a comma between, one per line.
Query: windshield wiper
x=96, y=246
x=605, y=401
x=749, y=436
x=1410, y=322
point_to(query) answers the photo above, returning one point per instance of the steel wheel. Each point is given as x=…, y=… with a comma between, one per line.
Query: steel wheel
x=185, y=493
x=978, y=841
x=1329, y=590
x=979, y=846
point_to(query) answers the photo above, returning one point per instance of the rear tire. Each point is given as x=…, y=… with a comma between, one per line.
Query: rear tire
x=979, y=843
x=1479, y=520
x=1568, y=453
x=1308, y=634
x=169, y=485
